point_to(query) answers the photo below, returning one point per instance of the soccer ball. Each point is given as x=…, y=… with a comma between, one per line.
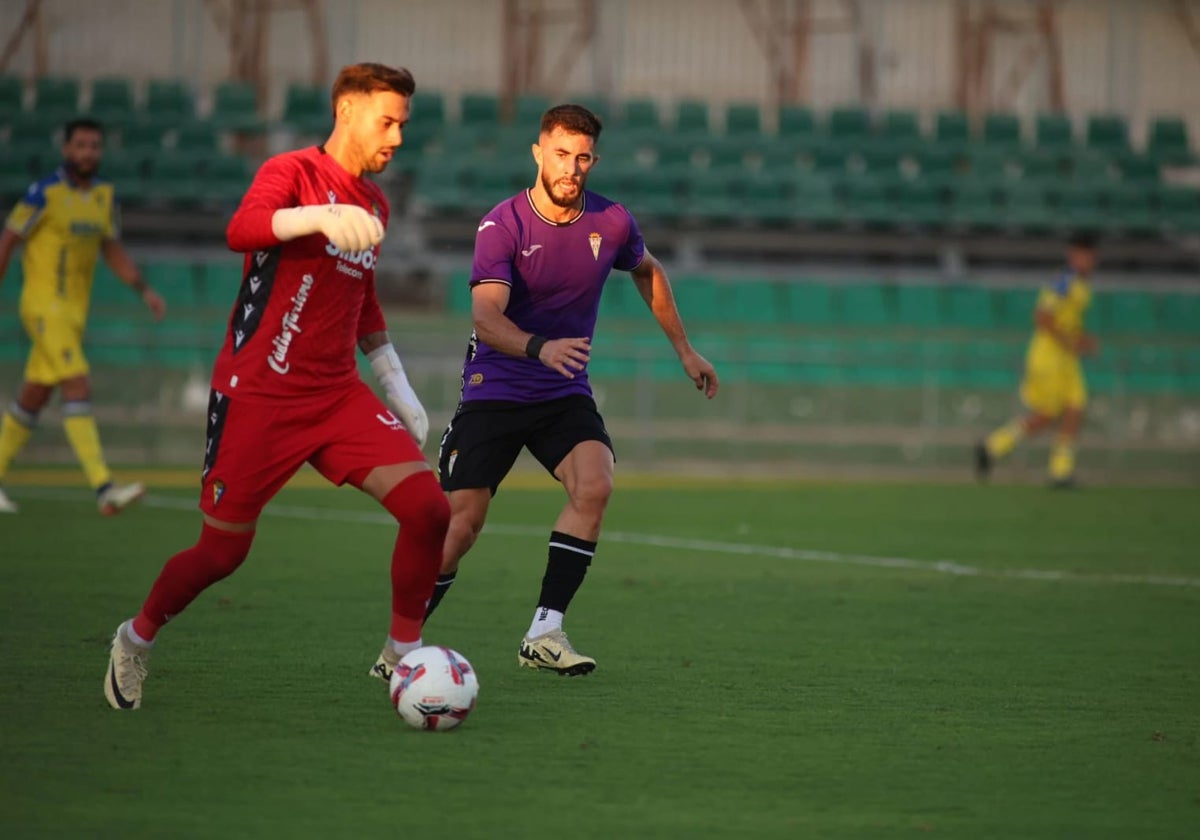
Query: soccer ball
x=434, y=688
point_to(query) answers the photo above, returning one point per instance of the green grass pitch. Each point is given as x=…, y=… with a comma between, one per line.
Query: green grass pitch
x=774, y=661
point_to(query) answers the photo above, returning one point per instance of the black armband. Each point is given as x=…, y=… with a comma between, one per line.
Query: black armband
x=533, y=349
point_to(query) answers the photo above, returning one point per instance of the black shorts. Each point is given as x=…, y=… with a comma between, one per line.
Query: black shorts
x=482, y=442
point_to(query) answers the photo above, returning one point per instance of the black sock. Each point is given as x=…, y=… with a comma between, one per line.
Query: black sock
x=566, y=566
x=439, y=592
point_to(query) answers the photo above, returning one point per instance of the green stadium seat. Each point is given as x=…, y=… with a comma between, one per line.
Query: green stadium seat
x=621, y=300
x=1168, y=143
x=15, y=175
x=197, y=138
x=797, y=122
x=1002, y=130
x=993, y=165
x=1126, y=312
x=970, y=307
x=598, y=105
x=862, y=305
x=952, y=130
x=428, y=107
x=1107, y=132
x=900, y=131
x=808, y=303
x=868, y=203
x=640, y=115
x=1179, y=209
x=479, y=110
x=698, y=298
x=974, y=205
x=1053, y=133
x=112, y=101
x=765, y=199
x=1139, y=169
x=1082, y=207
x=829, y=158
x=458, y=293
x=57, y=96
x=126, y=171
x=528, y=109
x=235, y=109
x=226, y=178
x=848, y=124
x=1132, y=212
x=12, y=98
x=142, y=137
x=919, y=204
x=1026, y=207
x=33, y=132
x=937, y=164
x=727, y=155
x=1150, y=369
x=217, y=284
x=1091, y=168
x=175, y=178
x=743, y=119
x=1015, y=308
x=1181, y=314
x=691, y=117
x=755, y=301
x=1043, y=165
x=307, y=110
x=920, y=306
x=168, y=101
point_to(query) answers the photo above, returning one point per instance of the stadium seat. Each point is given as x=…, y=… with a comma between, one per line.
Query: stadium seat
x=168, y=102
x=755, y=301
x=900, y=131
x=56, y=97
x=458, y=292
x=797, y=122
x=1053, y=133
x=528, y=109
x=1168, y=143
x=849, y=125
x=1138, y=169
x=1082, y=207
x=862, y=304
x=1026, y=207
x=34, y=132
x=1132, y=212
x=307, y=110
x=1181, y=314
x=1126, y=312
x=691, y=117
x=428, y=107
x=126, y=172
x=1107, y=132
x=764, y=199
x=1091, y=168
x=226, y=178
x=920, y=305
x=620, y=299
x=867, y=203
x=143, y=138
x=12, y=98
x=974, y=206
x=919, y=204
x=1179, y=209
x=15, y=175
x=952, y=130
x=698, y=298
x=1044, y=165
x=970, y=307
x=1002, y=131
x=479, y=110
x=1015, y=308
x=175, y=178
x=235, y=109
x=197, y=138
x=816, y=203
x=112, y=101
x=218, y=283
x=808, y=303
x=743, y=119
x=641, y=116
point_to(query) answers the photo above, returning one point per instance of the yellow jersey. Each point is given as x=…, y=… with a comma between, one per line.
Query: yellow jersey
x=1066, y=302
x=63, y=227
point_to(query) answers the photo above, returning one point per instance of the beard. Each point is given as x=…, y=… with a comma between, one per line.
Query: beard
x=83, y=171
x=558, y=200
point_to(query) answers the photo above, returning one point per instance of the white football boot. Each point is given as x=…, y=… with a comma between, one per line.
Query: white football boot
x=7, y=505
x=118, y=497
x=126, y=671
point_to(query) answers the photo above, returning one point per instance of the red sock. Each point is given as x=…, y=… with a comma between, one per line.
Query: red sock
x=215, y=556
x=423, y=512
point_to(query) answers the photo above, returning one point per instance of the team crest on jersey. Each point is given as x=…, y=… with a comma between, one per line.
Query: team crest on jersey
x=218, y=490
x=332, y=197
x=476, y=379
x=594, y=239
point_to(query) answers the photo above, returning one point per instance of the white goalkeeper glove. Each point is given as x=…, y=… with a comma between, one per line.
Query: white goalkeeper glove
x=347, y=226
x=400, y=395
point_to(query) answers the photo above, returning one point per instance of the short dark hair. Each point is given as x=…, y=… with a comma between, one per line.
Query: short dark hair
x=369, y=77
x=81, y=124
x=572, y=118
x=1083, y=239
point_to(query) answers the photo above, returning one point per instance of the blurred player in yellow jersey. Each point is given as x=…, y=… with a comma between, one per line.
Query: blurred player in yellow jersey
x=1053, y=389
x=65, y=221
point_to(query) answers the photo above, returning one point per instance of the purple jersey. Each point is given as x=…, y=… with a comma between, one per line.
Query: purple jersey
x=556, y=273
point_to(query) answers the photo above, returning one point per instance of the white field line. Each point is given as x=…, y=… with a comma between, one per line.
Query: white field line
x=837, y=558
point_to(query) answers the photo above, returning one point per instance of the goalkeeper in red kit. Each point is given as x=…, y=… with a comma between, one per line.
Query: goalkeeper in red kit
x=285, y=387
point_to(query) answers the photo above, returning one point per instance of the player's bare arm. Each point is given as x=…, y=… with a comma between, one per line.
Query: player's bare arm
x=654, y=287
x=9, y=240
x=127, y=272
x=492, y=326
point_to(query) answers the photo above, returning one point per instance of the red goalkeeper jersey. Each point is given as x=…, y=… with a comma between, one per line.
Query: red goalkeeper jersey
x=303, y=306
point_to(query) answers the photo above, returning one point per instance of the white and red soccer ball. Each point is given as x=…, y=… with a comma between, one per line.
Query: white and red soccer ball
x=434, y=688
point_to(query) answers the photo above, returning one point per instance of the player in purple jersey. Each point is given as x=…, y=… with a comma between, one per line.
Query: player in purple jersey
x=541, y=260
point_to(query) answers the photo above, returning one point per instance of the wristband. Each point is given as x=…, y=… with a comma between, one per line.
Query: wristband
x=533, y=349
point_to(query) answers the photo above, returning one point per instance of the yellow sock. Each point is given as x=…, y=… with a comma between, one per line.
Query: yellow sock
x=1062, y=459
x=1002, y=441
x=15, y=429
x=80, y=426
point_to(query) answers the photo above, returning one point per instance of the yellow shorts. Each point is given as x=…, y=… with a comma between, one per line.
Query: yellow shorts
x=1051, y=389
x=57, y=352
